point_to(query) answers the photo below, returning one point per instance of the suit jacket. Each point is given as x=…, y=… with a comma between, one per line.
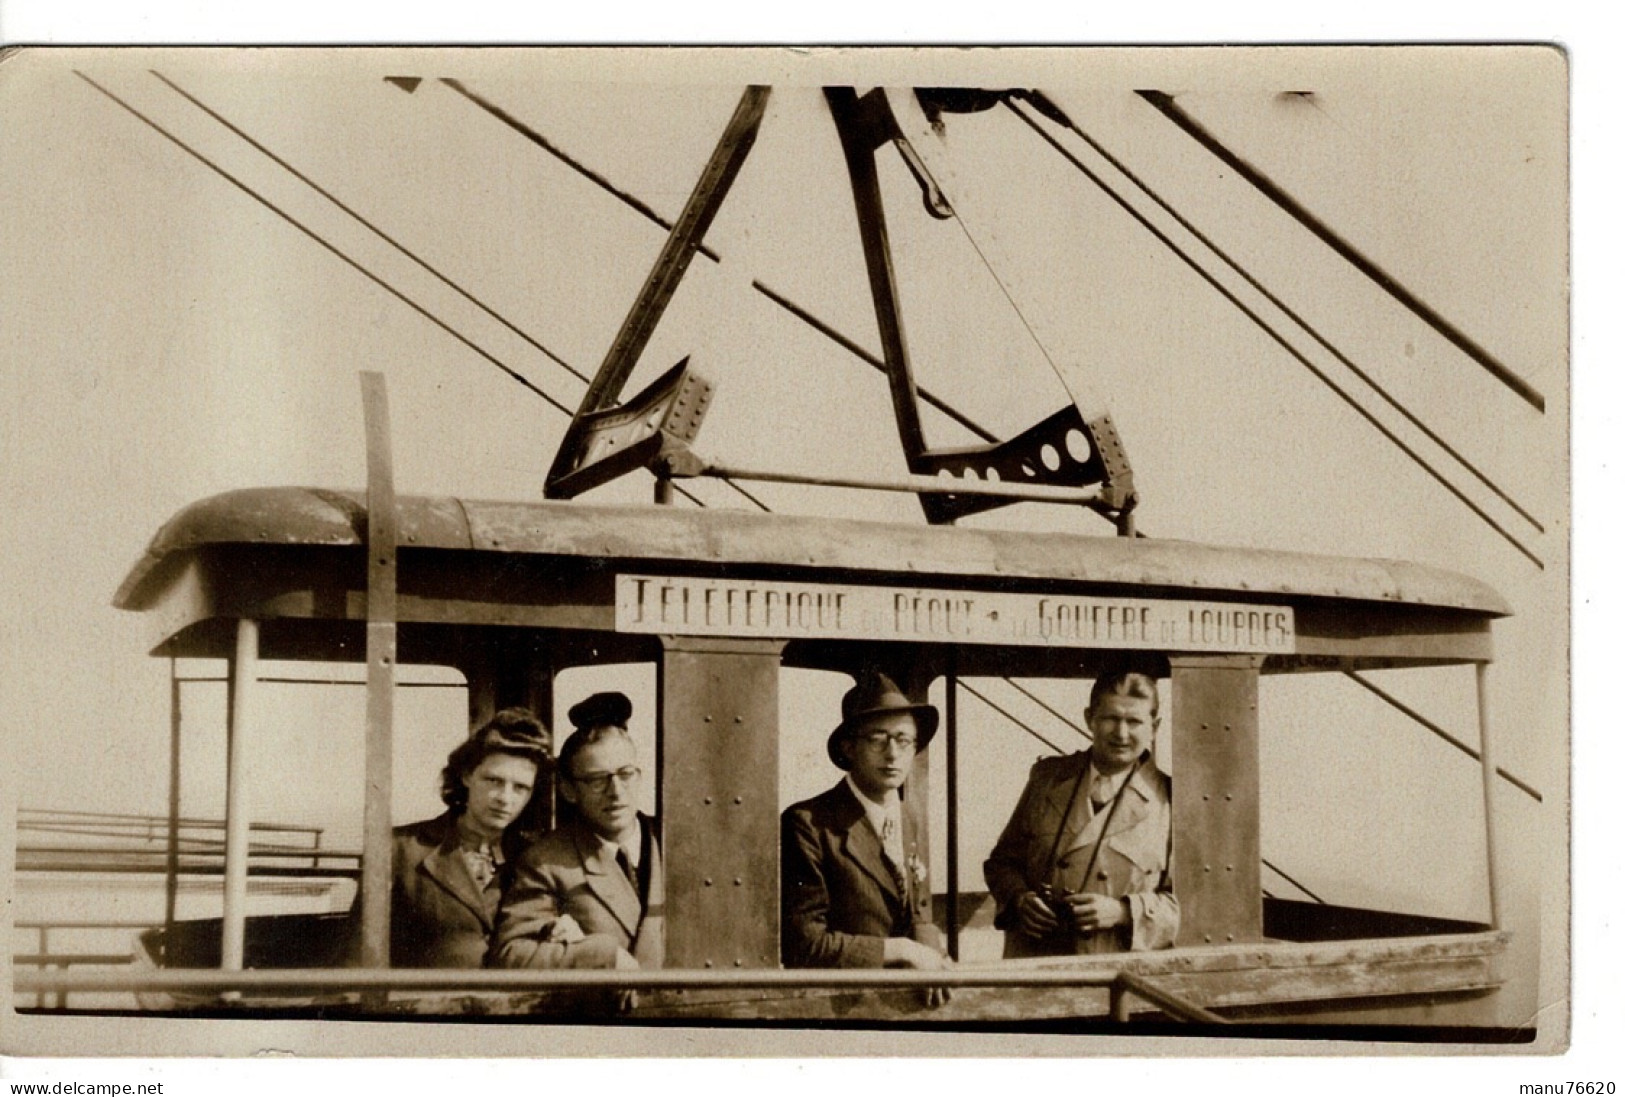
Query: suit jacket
x=438, y=915
x=838, y=899
x=568, y=872
x=1135, y=860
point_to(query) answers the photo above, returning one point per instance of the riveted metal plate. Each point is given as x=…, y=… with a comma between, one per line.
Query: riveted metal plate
x=1215, y=792
x=719, y=702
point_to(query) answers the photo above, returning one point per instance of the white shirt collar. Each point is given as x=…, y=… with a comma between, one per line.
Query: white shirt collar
x=1110, y=784
x=878, y=811
x=633, y=846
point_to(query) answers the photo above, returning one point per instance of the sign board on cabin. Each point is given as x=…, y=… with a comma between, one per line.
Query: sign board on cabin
x=687, y=606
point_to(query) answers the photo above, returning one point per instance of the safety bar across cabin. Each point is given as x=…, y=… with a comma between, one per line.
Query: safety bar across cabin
x=1121, y=984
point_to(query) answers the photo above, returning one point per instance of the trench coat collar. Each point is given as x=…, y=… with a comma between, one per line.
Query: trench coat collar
x=445, y=865
x=1081, y=827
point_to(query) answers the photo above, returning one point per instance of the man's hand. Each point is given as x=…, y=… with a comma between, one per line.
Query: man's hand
x=626, y=1000
x=1034, y=916
x=564, y=930
x=1092, y=912
x=907, y=952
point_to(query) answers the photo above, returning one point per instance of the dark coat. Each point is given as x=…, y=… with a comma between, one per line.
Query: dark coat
x=1135, y=859
x=439, y=917
x=567, y=872
x=839, y=900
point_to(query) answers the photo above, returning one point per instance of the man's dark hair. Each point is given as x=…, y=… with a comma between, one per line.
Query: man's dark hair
x=1134, y=676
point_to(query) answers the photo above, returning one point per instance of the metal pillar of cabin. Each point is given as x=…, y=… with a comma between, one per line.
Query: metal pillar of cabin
x=1486, y=760
x=1216, y=798
x=239, y=738
x=719, y=800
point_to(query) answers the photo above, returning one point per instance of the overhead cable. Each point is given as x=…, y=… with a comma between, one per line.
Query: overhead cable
x=355, y=264
x=386, y=237
x=1291, y=314
x=1164, y=103
x=633, y=202
x=1517, y=782
x=325, y=244
x=1284, y=343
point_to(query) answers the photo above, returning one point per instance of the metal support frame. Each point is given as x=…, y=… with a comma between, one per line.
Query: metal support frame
x=1481, y=674
x=376, y=865
x=172, y=858
x=864, y=125
x=719, y=765
x=660, y=286
x=950, y=735
x=239, y=739
x=1216, y=840
x=1039, y=458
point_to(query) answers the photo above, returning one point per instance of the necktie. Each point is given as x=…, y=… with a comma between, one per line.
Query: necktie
x=1098, y=793
x=891, y=844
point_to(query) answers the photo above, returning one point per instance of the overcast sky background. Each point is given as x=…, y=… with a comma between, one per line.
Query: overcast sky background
x=167, y=338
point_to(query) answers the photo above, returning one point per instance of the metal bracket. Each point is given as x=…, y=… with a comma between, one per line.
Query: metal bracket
x=650, y=430
x=1064, y=450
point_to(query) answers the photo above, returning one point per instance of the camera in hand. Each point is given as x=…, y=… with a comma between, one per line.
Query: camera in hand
x=1055, y=899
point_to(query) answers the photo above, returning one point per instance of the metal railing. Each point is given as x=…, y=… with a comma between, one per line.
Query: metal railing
x=129, y=843
x=1122, y=986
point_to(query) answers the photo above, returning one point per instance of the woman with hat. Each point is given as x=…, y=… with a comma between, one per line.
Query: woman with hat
x=450, y=871
x=854, y=891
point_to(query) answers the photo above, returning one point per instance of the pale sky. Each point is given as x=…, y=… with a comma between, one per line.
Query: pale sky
x=166, y=338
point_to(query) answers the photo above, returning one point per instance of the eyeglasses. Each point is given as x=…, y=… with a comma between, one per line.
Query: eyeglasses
x=599, y=782
x=877, y=740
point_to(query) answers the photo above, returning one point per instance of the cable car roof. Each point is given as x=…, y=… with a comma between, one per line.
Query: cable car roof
x=708, y=539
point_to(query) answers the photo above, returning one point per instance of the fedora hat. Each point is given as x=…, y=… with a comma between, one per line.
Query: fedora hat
x=877, y=695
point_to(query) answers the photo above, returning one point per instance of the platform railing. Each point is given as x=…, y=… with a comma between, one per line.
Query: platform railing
x=1123, y=986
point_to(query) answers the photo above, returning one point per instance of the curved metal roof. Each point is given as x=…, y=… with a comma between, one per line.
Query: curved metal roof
x=310, y=516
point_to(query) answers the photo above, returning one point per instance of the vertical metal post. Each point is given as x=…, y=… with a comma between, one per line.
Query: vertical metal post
x=239, y=738
x=950, y=733
x=1488, y=767
x=719, y=809
x=663, y=491
x=45, y=950
x=381, y=540
x=1216, y=798
x=1119, y=1002
x=172, y=860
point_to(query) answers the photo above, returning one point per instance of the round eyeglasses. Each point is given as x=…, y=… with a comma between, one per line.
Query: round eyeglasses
x=877, y=740
x=599, y=782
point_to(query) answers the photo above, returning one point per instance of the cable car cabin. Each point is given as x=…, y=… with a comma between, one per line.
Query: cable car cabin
x=721, y=604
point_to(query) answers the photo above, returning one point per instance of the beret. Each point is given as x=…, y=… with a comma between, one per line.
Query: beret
x=614, y=709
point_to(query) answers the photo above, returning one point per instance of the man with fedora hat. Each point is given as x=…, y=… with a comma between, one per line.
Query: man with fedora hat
x=591, y=893
x=854, y=891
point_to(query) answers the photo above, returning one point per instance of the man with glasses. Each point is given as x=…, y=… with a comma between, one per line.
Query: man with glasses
x=854, y=890
x=590, y=894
